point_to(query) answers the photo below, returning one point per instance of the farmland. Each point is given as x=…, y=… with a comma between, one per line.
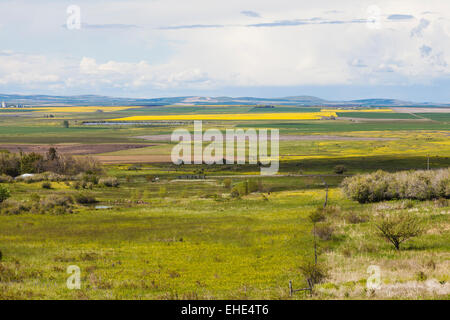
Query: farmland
x=158, y=235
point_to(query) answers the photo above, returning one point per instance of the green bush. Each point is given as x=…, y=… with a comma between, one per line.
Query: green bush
x=46, y=185
x=4, y=193
x=240, y=189
x=227, y=183
x=246, y=187
x=317, y=216
x=88, y=177
x=111, y=182
x=340, y=169
x=13, y=207
x=314, y=273
x=84, y=198
x=53, y=204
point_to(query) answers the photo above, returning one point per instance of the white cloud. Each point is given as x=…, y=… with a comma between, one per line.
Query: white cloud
x=328, y=46
x=22, y=69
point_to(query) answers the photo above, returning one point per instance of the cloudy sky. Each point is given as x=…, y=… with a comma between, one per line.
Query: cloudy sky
x=149, y=48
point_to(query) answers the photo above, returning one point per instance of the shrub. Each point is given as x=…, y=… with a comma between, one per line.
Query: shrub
x=76, y=185
x=398, y=228
x=88, y=177
x=109, y=182
x=340, y=169
x=314, y=273
x=88, y=185
x=12, y=207
x=46, y=185
x=246, y=187
x=381, y=186
x=421, y=276
x=15, y=164
x=30, y=162
x=35, y=197
x=317, y=216
x=56, y=200
x=227, y=183
x=5, y=179
x=324, y=231
x=441, y=202
x=354, y=218
x=4, y=193
x=240, y=189
x=235, y=193
x=84, y=198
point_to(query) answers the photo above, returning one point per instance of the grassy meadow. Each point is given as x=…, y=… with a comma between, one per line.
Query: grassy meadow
x=159, y=236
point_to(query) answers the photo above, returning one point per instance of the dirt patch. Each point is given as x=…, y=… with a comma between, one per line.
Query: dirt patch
x=72, y=149
x=166, y=138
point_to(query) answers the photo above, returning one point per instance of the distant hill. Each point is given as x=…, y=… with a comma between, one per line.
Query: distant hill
x=89, y=100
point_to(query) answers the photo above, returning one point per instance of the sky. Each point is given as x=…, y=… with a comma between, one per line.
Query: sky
x=264, y=48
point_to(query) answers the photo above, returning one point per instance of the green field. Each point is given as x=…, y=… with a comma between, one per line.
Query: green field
x=171, y=238
x=376, y=115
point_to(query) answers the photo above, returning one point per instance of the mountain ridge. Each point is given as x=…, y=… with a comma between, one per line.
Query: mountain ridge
x=303, y=100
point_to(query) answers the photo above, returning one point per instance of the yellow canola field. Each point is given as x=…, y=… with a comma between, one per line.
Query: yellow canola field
x=243, y=116
x=74, y=109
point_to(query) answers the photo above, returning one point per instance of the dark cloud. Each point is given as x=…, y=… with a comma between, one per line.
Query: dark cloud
x=251, y=14
x=193, y=26
x=300, y=22
x=106, y=26
x=281, y=23
x=400, y=17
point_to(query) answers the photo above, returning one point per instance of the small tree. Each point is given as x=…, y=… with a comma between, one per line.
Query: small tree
x=52, y=154
x=340, y=169
x=398, y=228
x=65, y=124
x=4, y=193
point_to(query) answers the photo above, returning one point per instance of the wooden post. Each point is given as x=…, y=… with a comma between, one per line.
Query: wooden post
x=290, y=288
x=315, y=244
